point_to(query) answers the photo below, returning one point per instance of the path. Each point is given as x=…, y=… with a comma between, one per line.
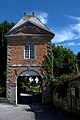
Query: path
x=32, y=112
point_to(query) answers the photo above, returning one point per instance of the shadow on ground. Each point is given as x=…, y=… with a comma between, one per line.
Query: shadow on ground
x=29, y=99
x=43, y=112
x=47, y=113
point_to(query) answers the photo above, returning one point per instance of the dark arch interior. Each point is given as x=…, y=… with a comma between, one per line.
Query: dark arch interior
x=29, y=89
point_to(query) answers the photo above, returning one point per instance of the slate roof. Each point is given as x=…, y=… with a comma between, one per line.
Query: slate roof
x=32, y=19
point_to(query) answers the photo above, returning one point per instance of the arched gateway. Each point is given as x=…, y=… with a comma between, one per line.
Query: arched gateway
x=32, y=77
x=27, y=44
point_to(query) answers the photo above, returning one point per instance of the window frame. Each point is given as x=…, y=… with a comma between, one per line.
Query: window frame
x=29, y=58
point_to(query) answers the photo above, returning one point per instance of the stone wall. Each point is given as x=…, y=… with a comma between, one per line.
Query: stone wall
x=74, y=95
x=71, y=102
x=11, y=92
x=60, y=102
x=4, y=100
x=47, y=95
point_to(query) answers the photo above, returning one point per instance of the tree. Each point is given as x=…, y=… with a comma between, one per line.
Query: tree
x=63, y=62
x=4, y=28
x=78, y=60
x=47, y=67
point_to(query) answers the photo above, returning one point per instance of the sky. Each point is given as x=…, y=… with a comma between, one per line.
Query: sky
x=62, y=17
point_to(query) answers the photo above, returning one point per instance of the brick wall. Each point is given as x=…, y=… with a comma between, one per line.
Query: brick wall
x=15, y=59
x=16, y=63
x=16, y=51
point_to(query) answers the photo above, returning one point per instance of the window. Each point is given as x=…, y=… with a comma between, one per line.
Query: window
x=29, y=52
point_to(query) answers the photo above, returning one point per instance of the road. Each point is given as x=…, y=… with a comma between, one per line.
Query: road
x=31, y=112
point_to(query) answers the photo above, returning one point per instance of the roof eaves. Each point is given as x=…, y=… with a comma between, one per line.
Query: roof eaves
x=40, y=26
x=34, y=23
x=16, y=28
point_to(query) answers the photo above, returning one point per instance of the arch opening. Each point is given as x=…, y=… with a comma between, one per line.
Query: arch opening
x=29, y=87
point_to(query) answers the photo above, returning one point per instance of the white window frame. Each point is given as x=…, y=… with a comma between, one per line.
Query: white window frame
x=29, y=52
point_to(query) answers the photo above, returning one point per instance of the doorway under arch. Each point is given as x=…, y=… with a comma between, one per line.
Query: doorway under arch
x=29, y=87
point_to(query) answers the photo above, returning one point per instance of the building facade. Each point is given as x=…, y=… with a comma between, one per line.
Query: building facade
x=27, y=44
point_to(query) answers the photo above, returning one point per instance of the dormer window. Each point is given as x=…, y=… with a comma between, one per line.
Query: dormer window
x=29, y=52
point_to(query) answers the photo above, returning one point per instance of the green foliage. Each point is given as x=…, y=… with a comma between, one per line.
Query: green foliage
x=4, y=28
x=61, y=61
x=57, y=68
x=2, y=91
x=47, y=67
x=25, y=86
x=60, y=85
x=78, y=60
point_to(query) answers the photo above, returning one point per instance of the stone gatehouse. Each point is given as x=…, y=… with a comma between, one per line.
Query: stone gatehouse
x=27, y=44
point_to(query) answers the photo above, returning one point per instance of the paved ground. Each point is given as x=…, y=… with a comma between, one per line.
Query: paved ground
x=32, y=112
x=8, y=112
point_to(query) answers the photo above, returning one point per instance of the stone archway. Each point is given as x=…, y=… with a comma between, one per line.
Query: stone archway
x=26, y=74
x=11, y=86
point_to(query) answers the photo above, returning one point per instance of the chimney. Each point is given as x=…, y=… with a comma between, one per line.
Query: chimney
x=24, y=13
x=33, y=13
